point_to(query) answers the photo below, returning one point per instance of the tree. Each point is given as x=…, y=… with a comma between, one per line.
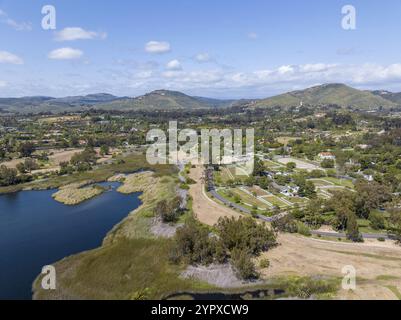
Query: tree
x=245, y=234
x=20, y=167
x=285, y=224
x=327, y=163
x=193, y=245
x=30, y=165
x=26, y=149
x=65, y=168
x=104, y=150
x=306, y=188
x=259, y=167
x=291, y=166
x=343, y=204
x=8, y=176
x=377, y=220
x=370, y=195
x=353, y=233
x=84, y=159
x=169, y=211
x=313, y=214
x=242, y=262
x=395, y=220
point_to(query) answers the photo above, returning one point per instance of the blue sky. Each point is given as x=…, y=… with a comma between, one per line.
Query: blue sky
x=225, y=48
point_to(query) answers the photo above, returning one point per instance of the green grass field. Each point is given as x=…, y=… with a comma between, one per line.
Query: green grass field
x=127, y=269
x=245, y=198
x=276, y=201
x=341, y=182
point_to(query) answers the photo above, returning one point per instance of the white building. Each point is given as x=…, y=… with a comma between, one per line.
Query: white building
x=326, y=156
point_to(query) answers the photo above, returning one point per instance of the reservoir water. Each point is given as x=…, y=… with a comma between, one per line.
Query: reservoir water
x=36, y=231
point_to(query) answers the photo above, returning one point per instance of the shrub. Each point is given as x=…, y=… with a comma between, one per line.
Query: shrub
x=245, y=234
x=327, y=164
x=303, y=229
x=264, y=263
x=169, y=211
x=377, y=220
x=190, y=181
x=242, y=262
x=285, y=224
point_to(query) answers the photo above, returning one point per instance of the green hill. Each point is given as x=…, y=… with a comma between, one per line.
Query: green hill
x=165, y=100
x=328, y=94
x=394, y=97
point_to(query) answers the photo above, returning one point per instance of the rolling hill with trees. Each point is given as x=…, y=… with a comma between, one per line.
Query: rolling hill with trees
x=328, y=94
x=323, y=95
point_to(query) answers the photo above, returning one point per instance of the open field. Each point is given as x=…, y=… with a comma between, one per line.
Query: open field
x=258, y=191
x=285, y=140
x=276, y=201
x=301, y=164
x=377, y=264
x=341, y=182
x=56, y=156
x=272, y=165
x=206, y=210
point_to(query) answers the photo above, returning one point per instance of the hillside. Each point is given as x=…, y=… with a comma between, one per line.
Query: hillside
x=394, y=97
x=327, y=94
x=49, y=104
x=165, y=100
x=156, y=100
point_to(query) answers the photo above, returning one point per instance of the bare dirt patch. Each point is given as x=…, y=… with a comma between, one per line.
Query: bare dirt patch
x=164, y=230
x=220, y=275
x=206, y=210
x=302, y=256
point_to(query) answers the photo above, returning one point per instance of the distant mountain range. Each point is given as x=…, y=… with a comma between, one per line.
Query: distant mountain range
x=49, y=104
x=328, y=94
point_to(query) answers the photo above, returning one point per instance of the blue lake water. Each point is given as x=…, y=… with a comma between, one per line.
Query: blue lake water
x=35, y=231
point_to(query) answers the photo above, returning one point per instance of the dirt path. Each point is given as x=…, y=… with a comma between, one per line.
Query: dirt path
x=206, y=210
x=377, y=267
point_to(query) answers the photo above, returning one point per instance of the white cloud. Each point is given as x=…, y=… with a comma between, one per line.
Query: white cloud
x=218, y=81
x=7, y=57
x=253, y=35
x=174, y=65
x=285, y=70
x=3, y=84
x=157, y=47
x=76, y=33
x=65, y=54
x=203, y=57
x=18, y=26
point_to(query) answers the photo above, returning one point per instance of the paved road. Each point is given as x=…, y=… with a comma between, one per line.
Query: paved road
x=343, y=235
